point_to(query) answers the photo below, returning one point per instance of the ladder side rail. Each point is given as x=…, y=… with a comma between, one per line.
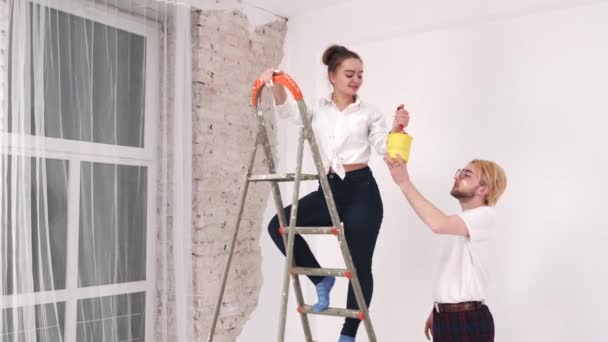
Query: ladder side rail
x=282, y=223
x=291, y=236
x=235, y=231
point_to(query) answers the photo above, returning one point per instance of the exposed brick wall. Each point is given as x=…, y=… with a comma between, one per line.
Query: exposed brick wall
x=227, y=59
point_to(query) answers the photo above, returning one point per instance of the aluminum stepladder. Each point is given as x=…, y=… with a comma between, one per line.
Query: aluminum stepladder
x=288, y=231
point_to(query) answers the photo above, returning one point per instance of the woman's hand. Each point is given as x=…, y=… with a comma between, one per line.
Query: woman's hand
x=279, y=92
x=401, y=120
x=267, y=75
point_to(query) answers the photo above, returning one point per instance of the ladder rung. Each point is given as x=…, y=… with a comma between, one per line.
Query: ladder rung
x=307, y=309
x=312, y=230
x=322, y=272
x=285, y=177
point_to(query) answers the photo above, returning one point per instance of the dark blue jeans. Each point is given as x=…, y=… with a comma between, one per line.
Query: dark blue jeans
x=360, y=208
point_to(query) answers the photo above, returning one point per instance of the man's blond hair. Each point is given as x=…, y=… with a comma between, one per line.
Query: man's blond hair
x=492, y=176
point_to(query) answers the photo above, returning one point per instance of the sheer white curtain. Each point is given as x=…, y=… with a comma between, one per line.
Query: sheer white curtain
x=96, y=172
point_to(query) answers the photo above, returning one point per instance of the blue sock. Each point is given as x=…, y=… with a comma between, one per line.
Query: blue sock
x=323, y=289
x=344, y=338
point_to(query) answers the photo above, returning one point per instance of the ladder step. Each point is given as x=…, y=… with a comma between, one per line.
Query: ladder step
x=284, y=177
x=322, y=272
x=311, y=230
x=307, y=309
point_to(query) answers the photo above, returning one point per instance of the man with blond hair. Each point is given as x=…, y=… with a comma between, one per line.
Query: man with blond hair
x=459, y=313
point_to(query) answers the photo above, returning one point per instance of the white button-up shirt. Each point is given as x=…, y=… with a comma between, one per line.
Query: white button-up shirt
x=343, y=137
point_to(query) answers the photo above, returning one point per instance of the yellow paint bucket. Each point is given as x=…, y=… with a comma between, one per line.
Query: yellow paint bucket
x=399, y=143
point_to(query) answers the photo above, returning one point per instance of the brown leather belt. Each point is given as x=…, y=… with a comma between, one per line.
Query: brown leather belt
x=458, y=307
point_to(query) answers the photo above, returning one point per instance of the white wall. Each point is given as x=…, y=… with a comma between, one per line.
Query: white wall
x=523, y=84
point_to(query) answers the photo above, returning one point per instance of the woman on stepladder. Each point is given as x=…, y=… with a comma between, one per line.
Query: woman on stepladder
x=346, y=128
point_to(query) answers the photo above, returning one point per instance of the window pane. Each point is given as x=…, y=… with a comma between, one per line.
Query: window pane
x=39, y=323
x=34, y=223
x=112, y=319
x=94, y=79
x=113, y=205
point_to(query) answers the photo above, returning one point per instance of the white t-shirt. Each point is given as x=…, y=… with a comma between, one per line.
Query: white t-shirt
x=464, y=264
x=343, y=137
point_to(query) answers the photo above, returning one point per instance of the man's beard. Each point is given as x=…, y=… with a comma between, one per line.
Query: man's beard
x=463, y=195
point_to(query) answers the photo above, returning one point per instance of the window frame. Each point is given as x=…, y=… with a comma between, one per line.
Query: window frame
x=76, y=152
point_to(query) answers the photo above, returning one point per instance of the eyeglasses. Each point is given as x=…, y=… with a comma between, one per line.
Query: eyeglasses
x=463, y=173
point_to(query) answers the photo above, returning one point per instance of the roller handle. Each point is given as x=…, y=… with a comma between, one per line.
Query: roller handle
x=401, y=106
